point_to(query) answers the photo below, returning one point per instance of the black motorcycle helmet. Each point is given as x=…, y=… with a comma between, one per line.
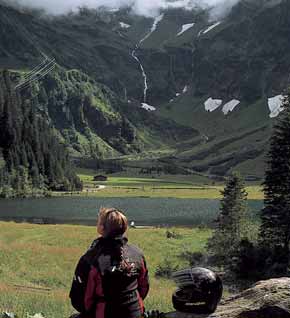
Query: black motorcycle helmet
x=199, y=290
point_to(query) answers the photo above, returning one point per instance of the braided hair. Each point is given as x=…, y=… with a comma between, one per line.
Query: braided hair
x=112, y=224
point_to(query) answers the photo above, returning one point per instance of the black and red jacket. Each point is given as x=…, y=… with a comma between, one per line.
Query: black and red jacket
x=111, y=291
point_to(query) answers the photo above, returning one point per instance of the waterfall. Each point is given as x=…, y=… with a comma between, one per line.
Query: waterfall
x=134, y=54
x=143, y=74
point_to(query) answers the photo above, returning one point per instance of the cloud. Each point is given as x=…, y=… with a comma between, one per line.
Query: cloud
x=144, y=7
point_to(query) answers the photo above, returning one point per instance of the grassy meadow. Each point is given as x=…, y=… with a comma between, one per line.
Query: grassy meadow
x=38, y=261
x=182, y=187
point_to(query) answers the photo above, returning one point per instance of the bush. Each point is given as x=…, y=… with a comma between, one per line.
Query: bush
x=254, y=262
x=195, y=259
x=6, y=192
x=244, y=261
x=166, y=269
x=173, y=234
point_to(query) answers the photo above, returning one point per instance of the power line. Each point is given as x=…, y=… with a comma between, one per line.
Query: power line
x=39, y=69
x=35, y=69
x=37, y=75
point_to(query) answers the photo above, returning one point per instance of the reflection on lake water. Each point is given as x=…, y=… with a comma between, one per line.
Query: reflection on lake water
x=144, y=211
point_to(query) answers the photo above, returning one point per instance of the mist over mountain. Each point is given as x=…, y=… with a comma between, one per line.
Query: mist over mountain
x=147, y=7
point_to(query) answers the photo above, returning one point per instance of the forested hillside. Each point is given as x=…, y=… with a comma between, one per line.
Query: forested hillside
x=33, y=159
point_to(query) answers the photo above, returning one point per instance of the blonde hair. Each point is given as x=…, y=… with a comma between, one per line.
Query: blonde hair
x=114, y=222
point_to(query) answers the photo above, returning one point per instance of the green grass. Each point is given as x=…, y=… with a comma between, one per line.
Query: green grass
x=129, y=181
x=183, y=187
x=45, y=257
x=255, y=192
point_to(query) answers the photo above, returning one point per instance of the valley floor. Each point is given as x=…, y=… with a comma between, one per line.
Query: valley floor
x=163, y=186
x=38, y=261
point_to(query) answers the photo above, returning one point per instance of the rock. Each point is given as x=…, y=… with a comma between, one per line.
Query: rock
x=266, y=299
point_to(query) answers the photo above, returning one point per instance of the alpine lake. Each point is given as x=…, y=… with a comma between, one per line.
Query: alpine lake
x=143, y=211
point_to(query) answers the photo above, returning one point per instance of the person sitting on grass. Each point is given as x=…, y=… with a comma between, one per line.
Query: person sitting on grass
x=117, y=281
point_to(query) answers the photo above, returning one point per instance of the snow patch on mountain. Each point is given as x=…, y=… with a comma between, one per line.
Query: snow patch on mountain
x=124, y=25
x=212, y=104
x=113, y=10
x=147, y=107
x=211, y=27
x=275, y=105
x=230, y=106
x=185, y=27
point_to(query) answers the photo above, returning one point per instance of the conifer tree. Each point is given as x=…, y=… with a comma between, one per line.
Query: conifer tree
x=33, y=155
x=275, y=216
x=231, y=220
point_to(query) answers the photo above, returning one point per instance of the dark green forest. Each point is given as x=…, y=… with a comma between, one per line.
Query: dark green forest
x=33, y=161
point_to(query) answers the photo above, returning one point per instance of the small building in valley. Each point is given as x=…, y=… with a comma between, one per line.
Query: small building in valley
x=100, y=178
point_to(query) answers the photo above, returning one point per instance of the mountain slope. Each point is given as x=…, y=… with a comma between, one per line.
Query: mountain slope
x=92, y=119
x=245, y=58
x=33, y=159
x=209, y=80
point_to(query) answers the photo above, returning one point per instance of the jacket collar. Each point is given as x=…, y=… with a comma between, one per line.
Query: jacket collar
x=117, y=239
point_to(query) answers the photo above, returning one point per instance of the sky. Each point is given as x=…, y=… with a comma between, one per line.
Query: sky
x=144, y=7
